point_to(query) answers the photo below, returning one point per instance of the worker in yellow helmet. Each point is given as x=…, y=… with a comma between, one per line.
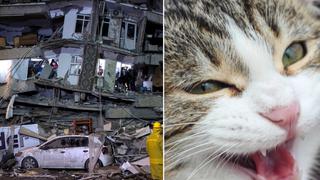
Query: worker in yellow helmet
x=154, y=149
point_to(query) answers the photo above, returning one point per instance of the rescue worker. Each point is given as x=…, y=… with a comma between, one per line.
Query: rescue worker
x=154, y=149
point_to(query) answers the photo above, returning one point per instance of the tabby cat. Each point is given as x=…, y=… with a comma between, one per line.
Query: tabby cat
x=242, y=84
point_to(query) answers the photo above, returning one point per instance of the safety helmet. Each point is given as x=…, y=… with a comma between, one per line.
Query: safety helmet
x=156, y=125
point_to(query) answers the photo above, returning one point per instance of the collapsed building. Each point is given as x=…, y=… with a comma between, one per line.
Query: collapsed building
x=81, y=66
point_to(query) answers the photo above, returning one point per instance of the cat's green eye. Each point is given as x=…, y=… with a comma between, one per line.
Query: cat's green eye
x=294, y=53
x=207, y=87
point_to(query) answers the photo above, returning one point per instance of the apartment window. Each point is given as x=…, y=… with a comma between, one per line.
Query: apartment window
x=105, y=27
x=131, y=31
x=82, y=22
x=75, y=66
x=128, y=35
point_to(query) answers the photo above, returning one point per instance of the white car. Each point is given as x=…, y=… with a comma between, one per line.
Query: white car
x=70, y=151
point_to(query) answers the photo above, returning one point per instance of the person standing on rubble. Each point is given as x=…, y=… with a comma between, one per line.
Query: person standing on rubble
x=154, y=149
x=54, y=66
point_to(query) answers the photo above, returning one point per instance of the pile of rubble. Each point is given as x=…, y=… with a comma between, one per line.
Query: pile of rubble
x=127, y=147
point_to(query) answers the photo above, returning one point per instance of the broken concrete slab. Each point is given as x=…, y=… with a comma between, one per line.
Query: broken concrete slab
x=27, y=132
x=154, y=17
x=142, y=132
x=23, y=9
x=17, y=53
x=142, y=162
x=129, y=167
x=130, y=112
x=149, y=101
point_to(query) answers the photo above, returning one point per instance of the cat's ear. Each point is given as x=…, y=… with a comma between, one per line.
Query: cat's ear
x=312, y=6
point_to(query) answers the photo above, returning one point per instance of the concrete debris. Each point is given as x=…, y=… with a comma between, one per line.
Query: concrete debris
x=110, y=170
x=122, y=149
x=142, y=132
x=107, y=126
x=38, y=173
x=127, y=146
x=129, y=167
x=20, y=140
x=9, y=113
x=7, y=161
x=130, y=149
x=148, y=101
x=27, y=132
x=135, y=169
x=91, y=177
x=142, y=162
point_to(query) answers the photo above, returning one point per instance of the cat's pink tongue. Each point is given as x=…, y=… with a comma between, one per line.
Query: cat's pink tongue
x=276, y=165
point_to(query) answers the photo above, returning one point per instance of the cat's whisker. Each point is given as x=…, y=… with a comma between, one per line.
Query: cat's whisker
x=177, y=142
x=172, y=164
x=183, y=139
x=186, y=144
x=192, y=154
x=236, y=159
x=190, y=149
x=206, y=161
x=223, y=162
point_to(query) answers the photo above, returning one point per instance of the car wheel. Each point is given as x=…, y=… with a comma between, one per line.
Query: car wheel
x=97, y=165
x=29, y=162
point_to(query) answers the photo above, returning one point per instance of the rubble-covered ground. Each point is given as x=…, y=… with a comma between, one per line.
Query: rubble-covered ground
x=128, y=150
x=108, y=172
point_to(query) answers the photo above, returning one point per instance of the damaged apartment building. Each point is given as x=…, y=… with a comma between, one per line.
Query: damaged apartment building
x=82, y=66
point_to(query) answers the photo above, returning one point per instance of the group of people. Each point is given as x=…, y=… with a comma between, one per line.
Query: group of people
x=139, y=79
x=125, y=79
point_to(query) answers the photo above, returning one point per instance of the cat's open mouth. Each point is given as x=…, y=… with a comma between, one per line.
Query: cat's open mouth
x=275, y=164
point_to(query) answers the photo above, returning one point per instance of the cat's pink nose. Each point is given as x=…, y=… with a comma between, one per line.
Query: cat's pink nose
x=286, y=117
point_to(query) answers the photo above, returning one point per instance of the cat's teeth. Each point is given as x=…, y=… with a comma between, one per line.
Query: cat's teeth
x=264, y=153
